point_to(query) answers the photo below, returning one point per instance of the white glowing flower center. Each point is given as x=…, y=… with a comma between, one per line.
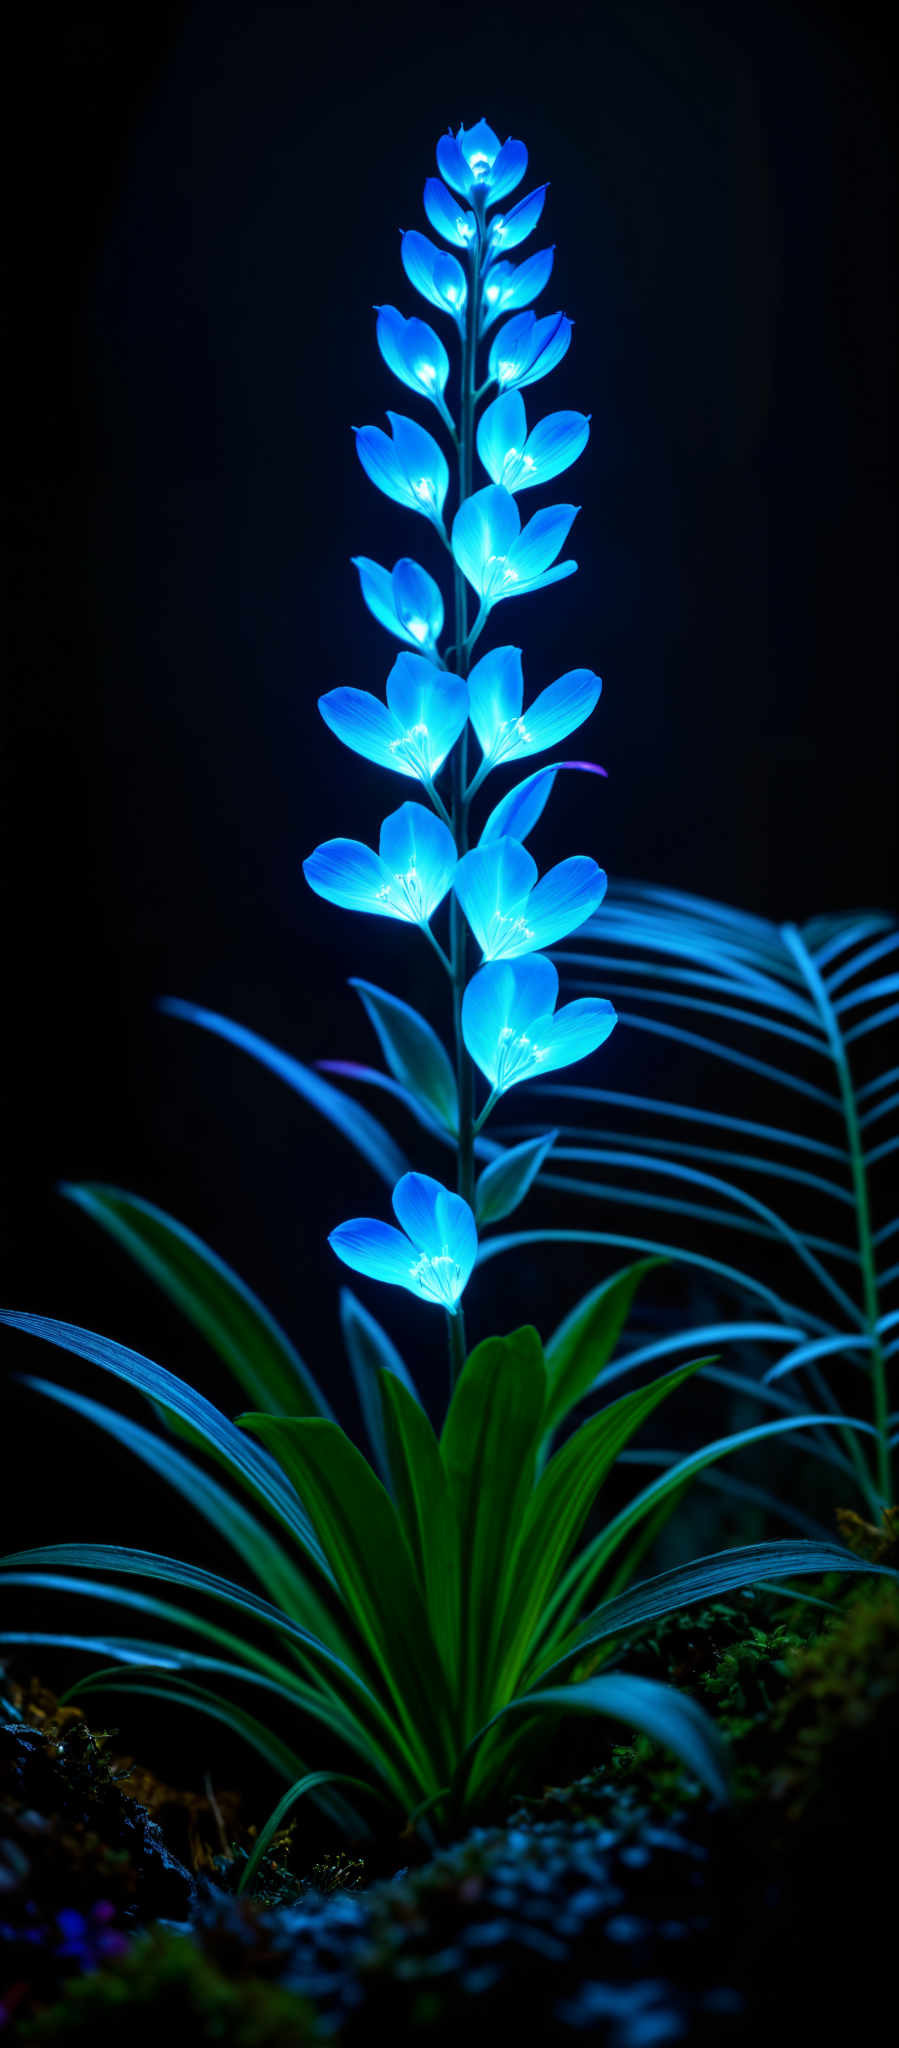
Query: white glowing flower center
x=506, y=934
x=426, y=373
x=455, y=293
x=414, y=746
x=423, y=486
x=505, y=371
x=516, y=1052
x=464, y=227
x=512, y=733
x=498, y=569
x=491, y=292
x=479, y=164
x=438, y=1276
x=406, y=892
x=516, y=463
x=418, y=628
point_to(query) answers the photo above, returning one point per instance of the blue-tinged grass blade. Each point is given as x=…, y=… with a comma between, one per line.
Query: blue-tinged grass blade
x=370, y=1351
x=580, y=1347
x=488, y=1446
x=705, y=1578
x=371, y=1077
x=668, y=1716
x=505, y=1182
x=367, y=1550
x=242, y=1458
x=413, y=1052
x=744, y=1282
x=214, y=1298
x=422, y=1496
x=275, y=1820
x=358, y=1125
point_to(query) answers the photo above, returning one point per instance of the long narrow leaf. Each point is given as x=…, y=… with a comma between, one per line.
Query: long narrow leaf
x=668, y=1716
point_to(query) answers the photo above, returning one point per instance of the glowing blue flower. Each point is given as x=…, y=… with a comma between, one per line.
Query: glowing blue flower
x=472, y=161
x=436, y=275
x=451, y=220
x=497, y=556
x=411, y=468
x=407, y=878
x=405, y=599
x=512, y=1028
x=506, y=230
x=510, y=911
x=515, y=458
x=414, y=731
x=496, y=695
x=507, y=285
x=527, y=348
x=415, y=354
x=432, y=1255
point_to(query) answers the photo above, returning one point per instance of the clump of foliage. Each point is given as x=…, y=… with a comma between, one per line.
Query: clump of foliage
x=166, y=1982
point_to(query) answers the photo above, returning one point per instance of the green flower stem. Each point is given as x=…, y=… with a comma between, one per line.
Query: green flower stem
x=458, y=934
x=455, y=1330
x=862, y=1207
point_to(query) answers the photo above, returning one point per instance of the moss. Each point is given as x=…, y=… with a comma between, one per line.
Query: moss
x=836, y=1727
x=165, y=1980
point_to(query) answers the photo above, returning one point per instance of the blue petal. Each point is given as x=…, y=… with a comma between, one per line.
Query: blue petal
x=363, y=723
x=562, y=900
x=378, y=457
x=377, y=590
x=504, y=996
x=578, y=1029
x=413, y=351
x=430, y=710
x=540, y=540
x=418, y=604
x=516, y=814
x=550, y=342
x=508, y=169
x=423, y=463
x=346, y=872
x=526, y=348
x=419, y=851
x=502, y=432
x=508, y=229
x=414, y=1204
x=375, y=1248
x=439, y=277
x=513, y=587
x=445, y=214
x=506, y=285
x=555, y=712
x=495, y=693
x=452, y=165
x=485, y=527
x=491, y=882
x=555, y=443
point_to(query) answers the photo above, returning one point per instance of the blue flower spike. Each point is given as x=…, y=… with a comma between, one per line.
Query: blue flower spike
x=473, y=162
x=508, y=285
x=518, y=459
x=498, y=556
x=513, y=1030
x=510, y=911
x=507, y=230
x=526, y=349
x=433, y=1253
x=440, y=278
x=416, y=356
x=407, y=878
x=496, y=696
x=417, y=727
x=405, y=600
x=410, y=467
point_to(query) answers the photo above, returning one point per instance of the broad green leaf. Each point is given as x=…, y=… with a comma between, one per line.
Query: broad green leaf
x=666, y=1715
x=370, y=1350
x=505, y=1182
x=413, y=1052
x=219, y=1304
x=241, y=1458
x=584, y=1342
x=358, y=1125
x=489, y=1452
x=359, y=1529
x=559, y=1507
x=426, y=1512
x=705, y=1578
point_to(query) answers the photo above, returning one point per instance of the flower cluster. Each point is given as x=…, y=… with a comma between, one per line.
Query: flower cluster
x=506, y=1022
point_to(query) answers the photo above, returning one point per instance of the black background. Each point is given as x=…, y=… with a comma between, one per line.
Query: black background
x=204, y=209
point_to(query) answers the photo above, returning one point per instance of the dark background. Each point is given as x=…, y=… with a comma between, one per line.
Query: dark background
x=204, y=204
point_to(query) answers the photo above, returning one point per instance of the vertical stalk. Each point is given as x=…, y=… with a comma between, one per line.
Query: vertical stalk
x=459, y=765
x=862, y=1207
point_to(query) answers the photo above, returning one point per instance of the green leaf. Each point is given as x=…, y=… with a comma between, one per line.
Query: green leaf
x=426, y=1512
x=370, y=1351
x=505, y=1182
x=219, y=1304
x=584, y=1342
x=489, y=1452
x=656, y=1710
x=303, y=1785
x=413, y=1052
x=360, y=1532
x=559, y=1507
x=705, y=1578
